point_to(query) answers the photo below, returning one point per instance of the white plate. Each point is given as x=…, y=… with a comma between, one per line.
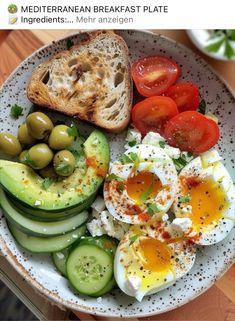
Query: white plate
x=211, y=262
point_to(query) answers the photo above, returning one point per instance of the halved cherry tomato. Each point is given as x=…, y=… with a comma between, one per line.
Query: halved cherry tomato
x=185, y=94
x=191, y=131
x=154, y=75
x=151, y=114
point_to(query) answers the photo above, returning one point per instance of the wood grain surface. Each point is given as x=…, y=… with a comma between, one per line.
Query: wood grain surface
x=218, y=303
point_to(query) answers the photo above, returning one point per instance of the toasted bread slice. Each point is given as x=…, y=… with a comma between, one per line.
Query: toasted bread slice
x=91, y=81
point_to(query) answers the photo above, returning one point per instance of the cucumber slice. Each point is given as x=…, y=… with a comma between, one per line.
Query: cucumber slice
x=106, y=289
x=49, y=244
x=89, y=269
x=48, y=216
x=43, y=229
x=59, y=259
x=105, y=242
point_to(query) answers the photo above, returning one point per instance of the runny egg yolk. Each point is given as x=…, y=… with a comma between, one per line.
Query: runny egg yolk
x=142, y=184
x=156, y=255
x=208, y=202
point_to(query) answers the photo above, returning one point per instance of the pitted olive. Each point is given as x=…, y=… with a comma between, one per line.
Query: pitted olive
x=24, y=135
x=9, y=144
x=40, y=156
x=64, y=163
x=39, y=125
x=60, y=138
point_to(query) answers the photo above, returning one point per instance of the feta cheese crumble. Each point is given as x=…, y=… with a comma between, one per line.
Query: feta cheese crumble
x=104, y=223
x=181, y=225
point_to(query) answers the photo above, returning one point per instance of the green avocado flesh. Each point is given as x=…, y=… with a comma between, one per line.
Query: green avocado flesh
x=26, y=186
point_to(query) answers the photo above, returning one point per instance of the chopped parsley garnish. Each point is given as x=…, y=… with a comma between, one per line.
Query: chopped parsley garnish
x=77, y=154
x=202, y=107
x=16, y=111
x=120, y=187
x=46, y=183
x=132, y=143
x=152, y=209
x=69, y=43
x=63, y=168
x=72, y=131
x=185, y=199
x=114, y=177
x=162, y=144
x=145, y=195
x=133, y=238
x=182, y=161
x=130, y=158
x=29, y=161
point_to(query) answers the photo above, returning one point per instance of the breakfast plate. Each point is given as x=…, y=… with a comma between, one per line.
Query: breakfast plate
x=211, y=262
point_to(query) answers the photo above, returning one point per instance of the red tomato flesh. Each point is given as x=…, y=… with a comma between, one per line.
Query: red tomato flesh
x=185, y=94
x=154, y=75
x=152, y=114
x=191, y=131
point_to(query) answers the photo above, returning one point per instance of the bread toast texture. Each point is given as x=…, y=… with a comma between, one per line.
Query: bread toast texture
x=91, y=81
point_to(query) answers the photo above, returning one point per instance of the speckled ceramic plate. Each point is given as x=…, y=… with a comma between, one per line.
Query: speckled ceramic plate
x=211, y=261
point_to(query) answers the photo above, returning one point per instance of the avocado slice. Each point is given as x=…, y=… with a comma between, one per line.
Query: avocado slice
x=23, y=183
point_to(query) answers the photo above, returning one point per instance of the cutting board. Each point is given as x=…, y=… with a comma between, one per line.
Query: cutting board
x=218, y=303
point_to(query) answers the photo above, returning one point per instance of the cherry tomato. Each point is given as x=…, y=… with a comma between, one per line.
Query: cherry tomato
x=191, y=131
x=152, y=114
x=185, y=94
x=154, y=75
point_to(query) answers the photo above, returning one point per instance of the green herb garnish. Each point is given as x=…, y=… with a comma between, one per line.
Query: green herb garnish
x=202, y=107
x=222, y=38
x=152, y=209
x=132, y=143
x=145, y=195
x=16, y=111
x=162, y=144
x=133, y=238
x=185, y=199
x=130, y=158
x=182, y=161
x=46, y=183
x=72, y=131
x=69, y=43
x=29, y=161
x=120, y=187
x=114, y=177
x=63, y=168
x=179, y=163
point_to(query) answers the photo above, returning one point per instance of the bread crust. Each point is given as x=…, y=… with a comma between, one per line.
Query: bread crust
x=91, y=81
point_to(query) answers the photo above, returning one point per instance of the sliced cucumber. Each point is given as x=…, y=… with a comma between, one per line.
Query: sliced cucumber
x=89, y=269
x=106, y=289
x=48, y=216
x=49, y=244
x=43, y=229
x=59, y=259
x=105, y=242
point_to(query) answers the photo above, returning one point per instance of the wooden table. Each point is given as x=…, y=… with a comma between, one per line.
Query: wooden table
x=218, y=303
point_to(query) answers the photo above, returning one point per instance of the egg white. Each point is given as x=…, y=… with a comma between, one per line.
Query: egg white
x=208, y=166
x=128, y=263
x=151, y=159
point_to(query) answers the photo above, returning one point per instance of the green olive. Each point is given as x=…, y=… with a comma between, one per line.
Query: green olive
x=64, y=163
x=9, y=144
x=60, y=138
x=48, y=172
x=24, y=135
x=23, y=157
x=39, y=125
x=40, y=156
